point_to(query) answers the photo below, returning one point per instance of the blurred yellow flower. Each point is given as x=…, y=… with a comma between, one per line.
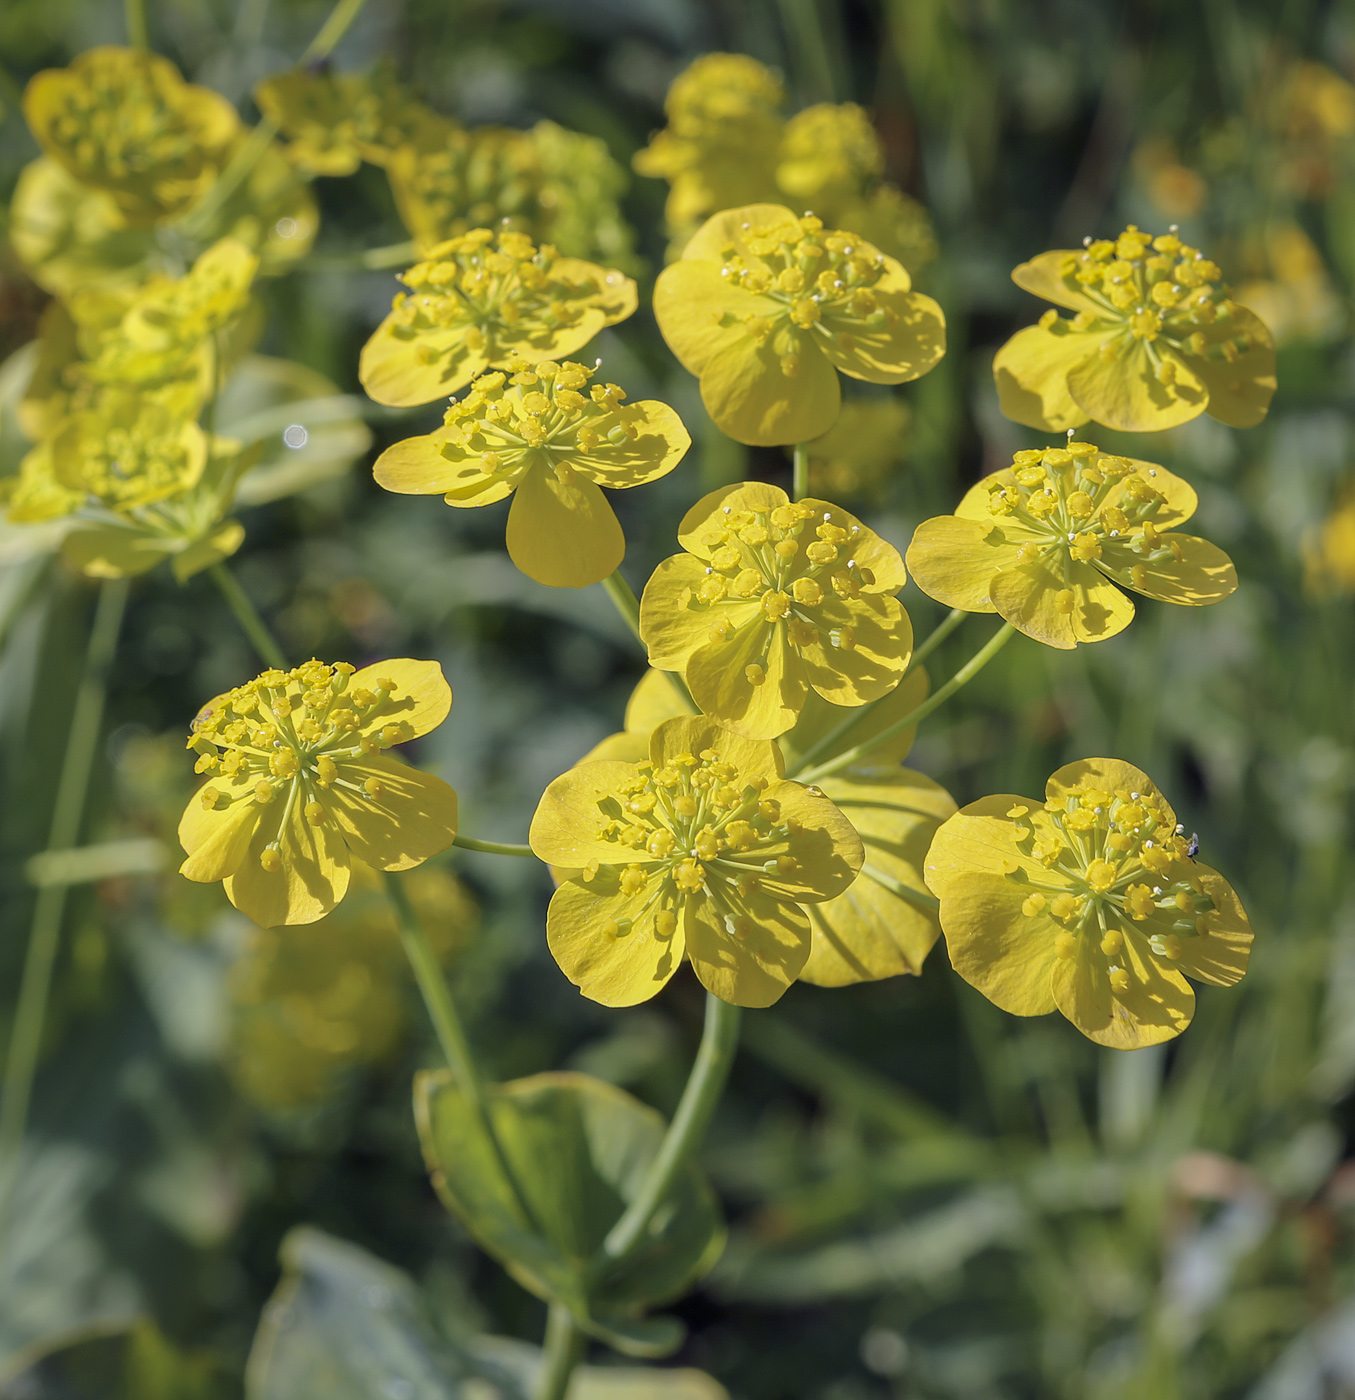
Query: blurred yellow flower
x=1329, y=551
x=759, y=610
x=124, y=121
x=764, y=308
x=1088, y=903
x=1293, y=294
x=311, y=1003
x=476, y=302
x=705, y=851
x=1043, y=543
x=298, y=784
x=1155, y=340
x=858, y=454
x=549, y=439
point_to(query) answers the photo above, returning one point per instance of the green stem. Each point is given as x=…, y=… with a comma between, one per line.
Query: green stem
x=628, y=605
x=919, y=899
x=373, y=260
x=799, y=471
x=331, y=31
x=137, y=34
x=560, y=1355
x=247, y=615
x=493, y=848
x=938, y=635
x=714, y=1059
x=962, y=677
x=45, y=934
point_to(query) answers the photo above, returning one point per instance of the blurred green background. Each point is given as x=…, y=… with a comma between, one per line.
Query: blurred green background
x=928, y=1199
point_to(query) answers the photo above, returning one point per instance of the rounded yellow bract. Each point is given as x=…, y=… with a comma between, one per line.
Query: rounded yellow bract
x=1155, y=340
x=543, y=434
x=478, y=301
x=705, y=851
x=765, y=308
x=1088, y=902
x=1043, y=543
x=123, y=120
x=298, y=783
x=771, y=600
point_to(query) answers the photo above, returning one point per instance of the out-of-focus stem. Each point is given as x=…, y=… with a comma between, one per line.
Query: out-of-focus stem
x=247, y=615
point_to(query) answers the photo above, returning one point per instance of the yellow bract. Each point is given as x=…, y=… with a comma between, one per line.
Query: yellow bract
x=771, y=600
x=551, y=440
x=704, y=852
x=1155, y=340
x=1041, y=543
x=477, y=302
x=124, y=121
x=1088, y=902
x=764, y=308
x=299, y=783
x=860, y=453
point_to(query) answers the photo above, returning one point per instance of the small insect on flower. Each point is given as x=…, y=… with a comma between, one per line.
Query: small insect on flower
x=1089, y=902
x=1193, y=845
x=1155, y=340
x=299, y=783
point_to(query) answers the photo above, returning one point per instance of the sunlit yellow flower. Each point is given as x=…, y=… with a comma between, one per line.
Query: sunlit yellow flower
x=476, y=302
x=1089, y=903
x=766, y=605
x=765, y=308
x=124, y=121
x=1155, y=340
x=551, y=440
x=1043, y=543
x=705, y=851
x=298, y=783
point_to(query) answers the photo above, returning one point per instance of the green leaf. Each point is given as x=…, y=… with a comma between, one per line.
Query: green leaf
x=577, y=1150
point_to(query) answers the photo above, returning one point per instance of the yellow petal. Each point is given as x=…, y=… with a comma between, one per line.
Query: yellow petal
x=1240, y=391
x=699, y=311
x=882, y=645
x=401, y=371
x=727, y=228
x=1180, y=500
x=217, y=841
x=718, y=677
x=620, y=748
x=673, y=623
x=1124, y=392
x=888, y=354
x=1157, y=1006
x=427, y=466
x=412, y=819
x=420, y=700
x=1105, y=774
x=826, y=848
x=995, y=946
x=689, y=734
x=819, y=718
x=982, y=839
x=1027, y=596
x=565, y=536
x=753, y=968
x=565, y=826
x=1204, y=573
x=312, y=878
x=871, y=552
x=654, y=699
x=1043, y=276
x=619, y=970
x=870, y=932
x=955, y=561
x=709, y=512
x=750, y=397
x=661, y=444
x=1031, y=371
x=1220, y=956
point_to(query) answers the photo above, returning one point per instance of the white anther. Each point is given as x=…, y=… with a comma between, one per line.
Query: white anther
x=1087, y=241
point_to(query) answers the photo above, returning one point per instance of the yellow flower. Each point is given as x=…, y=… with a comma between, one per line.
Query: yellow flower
x=766, y=605
x=1089, y=903
x=550, y=439
x=764, y=308
x=858, y=455
x=705, y=851
x=1041, y=543
x=298, y=784
x=124, y=121
x=1155, y=340
x=1329, y=551
x=476, y=302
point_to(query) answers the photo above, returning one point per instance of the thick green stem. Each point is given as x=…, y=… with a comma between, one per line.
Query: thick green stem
x=247, y=615
x=714, y=1059
x=560, y=1355
x=628, y=605
x=138, y=36
x=799, y=472
x=45, y=934
x=962, y=677
x=492, y=848
x=936, y=636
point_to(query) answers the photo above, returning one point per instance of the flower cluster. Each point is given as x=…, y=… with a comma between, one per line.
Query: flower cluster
x=1155, y=340
x=1043, y=542
x=1090, y=902
x=477, y=301
x=705, y=851
x=299, y=784
x=547, y=436
x=765, y=308
x=772, y=599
